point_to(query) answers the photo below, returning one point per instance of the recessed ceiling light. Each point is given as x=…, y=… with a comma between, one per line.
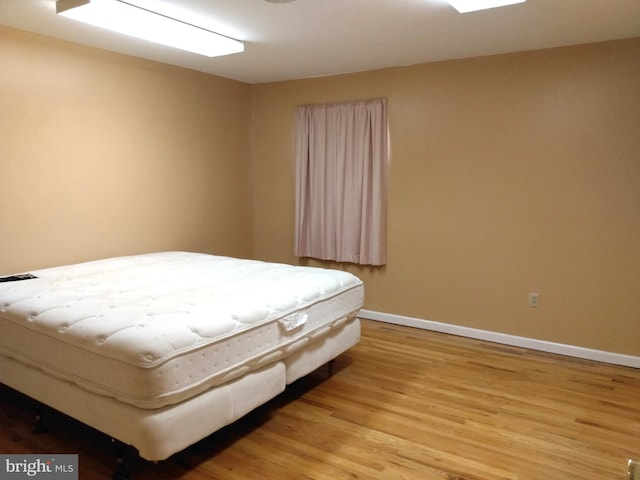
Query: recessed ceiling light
x=123, y=17
x=464, y=6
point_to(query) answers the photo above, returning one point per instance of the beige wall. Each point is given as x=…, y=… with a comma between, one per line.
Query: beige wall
x=510, y=174
x=103, y=154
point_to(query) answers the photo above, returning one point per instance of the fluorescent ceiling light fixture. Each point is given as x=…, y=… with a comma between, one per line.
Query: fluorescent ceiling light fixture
x=123, y=17
x=464, y=6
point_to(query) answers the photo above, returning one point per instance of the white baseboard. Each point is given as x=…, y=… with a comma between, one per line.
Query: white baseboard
x=524, y=342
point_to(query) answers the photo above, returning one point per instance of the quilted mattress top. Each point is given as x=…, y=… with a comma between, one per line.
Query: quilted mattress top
x=148, y=311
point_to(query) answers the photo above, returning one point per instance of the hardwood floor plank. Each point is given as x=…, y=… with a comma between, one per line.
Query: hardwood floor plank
x=403, y=404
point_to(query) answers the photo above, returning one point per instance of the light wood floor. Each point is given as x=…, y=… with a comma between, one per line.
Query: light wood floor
x=403, y=404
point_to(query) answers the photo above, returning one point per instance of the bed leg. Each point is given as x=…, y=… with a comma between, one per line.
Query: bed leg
x=330, y=365
x=120, y=473
x=39, y=427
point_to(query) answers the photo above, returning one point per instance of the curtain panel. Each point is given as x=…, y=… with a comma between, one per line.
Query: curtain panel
x=342, y=163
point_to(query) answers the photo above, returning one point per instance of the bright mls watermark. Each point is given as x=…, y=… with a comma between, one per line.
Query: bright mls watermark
x=42, y=466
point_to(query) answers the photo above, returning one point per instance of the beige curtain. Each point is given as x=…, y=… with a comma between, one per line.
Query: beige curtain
x=342, y=162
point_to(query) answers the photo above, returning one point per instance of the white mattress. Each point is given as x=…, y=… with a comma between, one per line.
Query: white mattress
x=153, y=330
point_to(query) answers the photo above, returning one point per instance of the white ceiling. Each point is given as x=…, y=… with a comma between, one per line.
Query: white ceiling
x=310, y=38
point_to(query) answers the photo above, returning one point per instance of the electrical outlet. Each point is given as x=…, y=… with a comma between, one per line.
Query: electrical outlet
x=534, y=299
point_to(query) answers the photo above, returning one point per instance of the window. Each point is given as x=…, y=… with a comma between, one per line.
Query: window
x=342, y=163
